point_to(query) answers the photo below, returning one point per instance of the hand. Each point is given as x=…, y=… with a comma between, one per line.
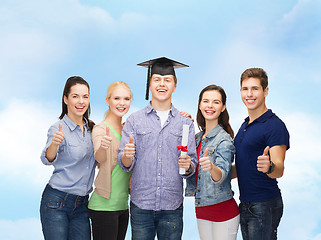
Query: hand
x=106, y=140
x=205, y=162
x=58, y=136
x=187, y=115
x=263, y=161
x=129, y=149
x=184, y=162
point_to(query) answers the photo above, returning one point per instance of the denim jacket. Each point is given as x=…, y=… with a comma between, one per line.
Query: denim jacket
x=221, y=153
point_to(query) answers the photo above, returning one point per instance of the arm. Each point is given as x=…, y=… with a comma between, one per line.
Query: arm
x=207, y=165
x=129, y=152
x=57, y=139
x=221, y=165
x=277, y=156
x=101, y=141
x=127, y=161
x=234, y=173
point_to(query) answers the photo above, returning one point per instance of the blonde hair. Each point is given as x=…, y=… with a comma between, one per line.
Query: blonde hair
x=112, y=87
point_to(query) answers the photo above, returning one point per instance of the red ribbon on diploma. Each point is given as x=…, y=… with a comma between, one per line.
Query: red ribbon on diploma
x=182, y=148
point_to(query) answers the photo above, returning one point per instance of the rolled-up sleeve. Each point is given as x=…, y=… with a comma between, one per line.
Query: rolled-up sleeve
x=50, y=133
x=224, y=155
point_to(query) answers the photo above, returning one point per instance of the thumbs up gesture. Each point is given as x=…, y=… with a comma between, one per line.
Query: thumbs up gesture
x=58, y=136
x=205, y=162
x=263, y=161
x=129, y=149
x=106, y=140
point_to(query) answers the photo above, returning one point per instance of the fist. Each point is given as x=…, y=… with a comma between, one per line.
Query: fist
x=58, y=136
x=205, y=162
x=263, y=161
x=184, y=162
x=129, y=149
x=106, y=140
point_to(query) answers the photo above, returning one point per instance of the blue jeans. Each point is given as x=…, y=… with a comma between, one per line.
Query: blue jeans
x=64, y=216
x=260, y=220
x=166, y=224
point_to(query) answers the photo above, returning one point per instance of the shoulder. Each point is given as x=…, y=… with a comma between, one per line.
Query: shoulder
x=99, y=127
x=199, y=134
x=179, y=117
x=225, y=139
x=55, y=126
x=275, y=123
x=136, y=115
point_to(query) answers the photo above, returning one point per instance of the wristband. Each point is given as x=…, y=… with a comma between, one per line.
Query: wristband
x=271, y=168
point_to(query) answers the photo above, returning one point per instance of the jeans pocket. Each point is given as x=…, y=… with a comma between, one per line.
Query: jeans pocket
x=52, y=202
x=258, y=210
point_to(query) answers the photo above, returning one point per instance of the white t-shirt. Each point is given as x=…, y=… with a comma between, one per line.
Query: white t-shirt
x=163, y=115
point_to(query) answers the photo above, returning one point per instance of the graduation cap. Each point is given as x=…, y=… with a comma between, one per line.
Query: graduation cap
x=162, y=66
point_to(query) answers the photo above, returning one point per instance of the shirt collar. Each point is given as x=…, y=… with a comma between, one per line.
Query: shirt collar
x=72, y=126
x=265, y=116
x=149, y=109
x=214, y=131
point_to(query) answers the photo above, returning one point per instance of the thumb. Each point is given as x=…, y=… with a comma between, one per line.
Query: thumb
x=266, y=151
x=131, y=139
x=60, y=127
x=206, y=153
x=107, y=131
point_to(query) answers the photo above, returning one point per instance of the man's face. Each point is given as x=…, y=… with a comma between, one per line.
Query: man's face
x=162, y=87
x=252, y=93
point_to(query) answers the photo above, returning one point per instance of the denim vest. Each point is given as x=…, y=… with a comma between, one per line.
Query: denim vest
x=221, y=153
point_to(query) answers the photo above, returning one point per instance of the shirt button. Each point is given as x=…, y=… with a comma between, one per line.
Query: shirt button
x=205, y=140
x=244, y=130
x=160, y=146
x=158, y=160
x=158, y=188
x=158, y=174
x=198, y=190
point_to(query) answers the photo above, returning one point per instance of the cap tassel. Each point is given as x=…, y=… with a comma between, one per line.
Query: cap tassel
x=147, y=85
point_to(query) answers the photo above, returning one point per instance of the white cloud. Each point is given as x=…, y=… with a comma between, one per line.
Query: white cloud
x=300, y=184
x=28, y=229
x=23, y=137
x=39, y=37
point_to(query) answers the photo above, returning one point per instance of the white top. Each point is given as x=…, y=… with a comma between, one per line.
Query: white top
x=163, y=115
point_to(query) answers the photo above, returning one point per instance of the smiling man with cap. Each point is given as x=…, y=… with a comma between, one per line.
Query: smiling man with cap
x=148, y=149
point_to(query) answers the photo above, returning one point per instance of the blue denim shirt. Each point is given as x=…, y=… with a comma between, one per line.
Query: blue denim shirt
x=74, y=165
x=221, y=153
x=156, y=183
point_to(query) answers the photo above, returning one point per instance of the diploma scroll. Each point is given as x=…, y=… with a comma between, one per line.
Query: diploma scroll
x=184, y=144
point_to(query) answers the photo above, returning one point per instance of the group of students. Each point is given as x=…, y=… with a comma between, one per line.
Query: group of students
x=143, y=157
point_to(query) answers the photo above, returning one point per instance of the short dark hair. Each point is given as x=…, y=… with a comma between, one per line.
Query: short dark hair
x=258, y=73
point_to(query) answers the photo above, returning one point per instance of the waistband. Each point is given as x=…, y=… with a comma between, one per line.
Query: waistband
x=66, y=196
x=275, y=200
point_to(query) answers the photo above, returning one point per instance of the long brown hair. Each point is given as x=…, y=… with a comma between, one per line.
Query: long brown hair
x=223, y=119
x=69, y=83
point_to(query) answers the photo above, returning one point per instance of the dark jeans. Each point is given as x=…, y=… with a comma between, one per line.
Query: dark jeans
x=64, y=216
x=166, y=224
x=260, y=220
x=110, y=225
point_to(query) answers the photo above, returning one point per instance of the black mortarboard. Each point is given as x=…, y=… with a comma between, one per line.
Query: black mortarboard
x=162, y=66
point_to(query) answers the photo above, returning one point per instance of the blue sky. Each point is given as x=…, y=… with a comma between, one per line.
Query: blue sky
x=42, y=43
